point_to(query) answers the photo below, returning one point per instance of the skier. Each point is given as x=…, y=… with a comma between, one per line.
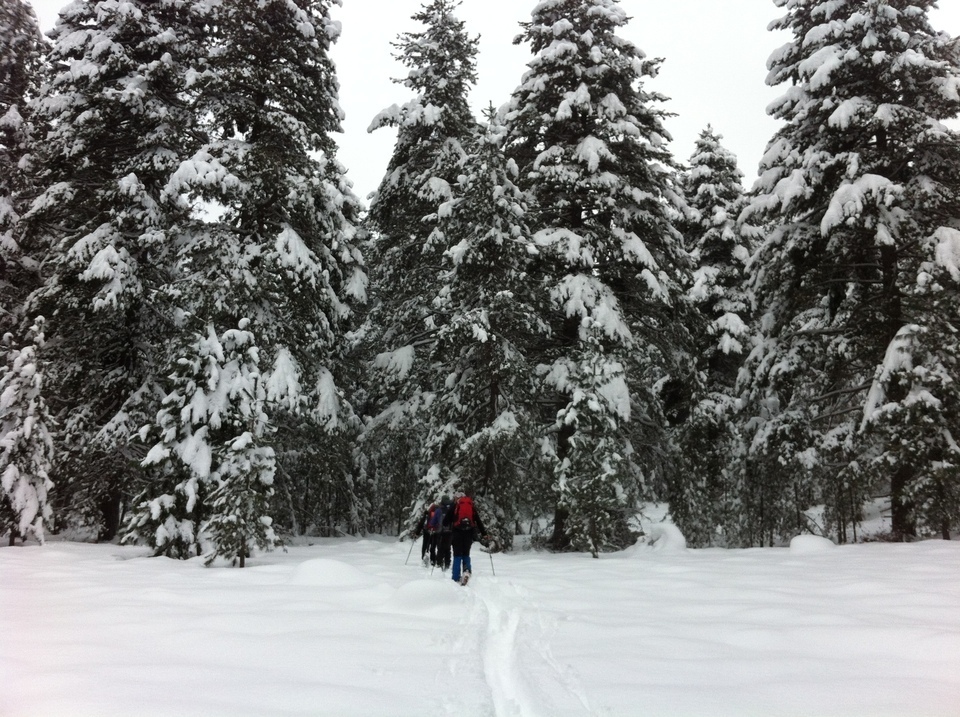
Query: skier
x=443, y=537
x=466, y=526
x=430, y=525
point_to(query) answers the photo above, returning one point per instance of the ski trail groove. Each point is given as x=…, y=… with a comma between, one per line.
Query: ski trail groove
x=465, y=671
x=523, y=677
x=499, y=661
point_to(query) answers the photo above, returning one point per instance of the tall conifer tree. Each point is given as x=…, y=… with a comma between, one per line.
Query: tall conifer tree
x=703, y=494
x=21, y=51
x=861, y=191
x=116, y=122
x=270, y=248
x=591, y=148
x=434, y=132
x=483, y=425
x=21, y=56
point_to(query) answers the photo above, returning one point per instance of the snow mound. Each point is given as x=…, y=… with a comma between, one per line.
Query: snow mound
x=329, y=573
x=665, y=537
x=425, y=595
x=807, y=544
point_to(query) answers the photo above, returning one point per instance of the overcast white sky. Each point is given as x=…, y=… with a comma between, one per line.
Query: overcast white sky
x=715, y=54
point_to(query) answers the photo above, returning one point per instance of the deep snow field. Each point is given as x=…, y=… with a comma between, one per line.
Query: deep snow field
x=343, y=627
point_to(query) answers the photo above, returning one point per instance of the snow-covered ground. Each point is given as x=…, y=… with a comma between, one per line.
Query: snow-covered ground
x=343, y=627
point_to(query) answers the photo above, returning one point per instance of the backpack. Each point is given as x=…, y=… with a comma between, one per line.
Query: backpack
x=435, y=518
x=464, y=516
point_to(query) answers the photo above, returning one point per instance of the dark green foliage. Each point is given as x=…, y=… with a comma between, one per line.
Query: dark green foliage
x=280, y=253
x=561, y=320
x=105, y=228
x=483, y=425
x=589, y=143
x=406, y=252
x=21, y=51
x=26, y=448
x=704, y=493
x=853, y=188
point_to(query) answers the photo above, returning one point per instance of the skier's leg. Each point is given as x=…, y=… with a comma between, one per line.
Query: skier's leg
x=444, y=557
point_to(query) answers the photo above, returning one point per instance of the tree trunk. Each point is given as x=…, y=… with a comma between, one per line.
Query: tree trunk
x=570, y=336
x=560, y=540
x=944, y=521
x=490, y=467
x=892, y=299
x=902, y=524
x=855, y=512
x=284, y=485
x=111, y=513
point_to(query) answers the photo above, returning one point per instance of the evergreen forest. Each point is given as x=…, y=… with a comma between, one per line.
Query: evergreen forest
x=211, y=344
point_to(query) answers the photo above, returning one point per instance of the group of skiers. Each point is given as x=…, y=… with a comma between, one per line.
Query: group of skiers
x=450, y=525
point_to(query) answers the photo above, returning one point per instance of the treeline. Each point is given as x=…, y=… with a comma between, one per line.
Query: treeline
x=211, y=343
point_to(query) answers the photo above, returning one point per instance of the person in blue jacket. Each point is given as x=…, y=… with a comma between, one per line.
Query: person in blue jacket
x=430, y=526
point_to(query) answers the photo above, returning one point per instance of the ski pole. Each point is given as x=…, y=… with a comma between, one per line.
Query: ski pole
x=493, y=544
x=412, y=543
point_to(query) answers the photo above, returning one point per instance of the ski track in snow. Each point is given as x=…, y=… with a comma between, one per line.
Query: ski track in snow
x=506, y=637
x=466, y=662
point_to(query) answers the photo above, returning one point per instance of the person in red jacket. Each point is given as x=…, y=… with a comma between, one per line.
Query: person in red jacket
x=465, y=527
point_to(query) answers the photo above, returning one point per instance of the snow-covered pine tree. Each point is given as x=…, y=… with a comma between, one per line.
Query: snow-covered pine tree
x=702, y=492
x=211, y=436
x=26, y=448
x=856, y=186
x=482, y=429
x=21, y=51
x=272, y=239
x=434, y=131
x=917, y=433
x=591, y=148
x=592, y=476
x=21, y=48
x=116, y=122
x=713, y=188
x=21, y=45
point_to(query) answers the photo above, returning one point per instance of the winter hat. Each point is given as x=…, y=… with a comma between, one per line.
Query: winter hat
x=445, y=500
